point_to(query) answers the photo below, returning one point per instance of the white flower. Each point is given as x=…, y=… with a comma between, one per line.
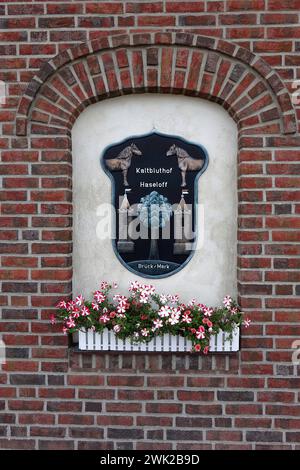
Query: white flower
x=163, y=299
x=136, y=334
x=157, y=324
x=134, y=285
x=186, y=318
x=117, y=328
x=99, y=297
x=145, y=332
x=227, y=301
x=121, y=315
x=79, y=300
x=208, y=311
x=174, y=318
x=246, y=322
x=164, y=311
x=144, y=297
x=191, y=302
x=121, y=309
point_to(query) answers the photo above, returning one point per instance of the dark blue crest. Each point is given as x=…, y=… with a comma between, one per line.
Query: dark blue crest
x=155, y=193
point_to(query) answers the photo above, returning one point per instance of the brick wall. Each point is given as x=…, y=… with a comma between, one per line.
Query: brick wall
x=242, y=54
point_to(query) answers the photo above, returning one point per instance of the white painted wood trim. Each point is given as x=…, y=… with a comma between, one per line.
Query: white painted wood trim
x=107, y=341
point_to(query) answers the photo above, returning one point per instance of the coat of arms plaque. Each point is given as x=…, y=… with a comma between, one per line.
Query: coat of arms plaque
x=154, y=192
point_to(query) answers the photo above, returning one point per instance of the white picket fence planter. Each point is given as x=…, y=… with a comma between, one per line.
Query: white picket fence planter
x=107, y=341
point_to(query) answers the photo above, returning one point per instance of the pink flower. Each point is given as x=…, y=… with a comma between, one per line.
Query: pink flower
x=52, y=319
x=95, y=306
x=233, y=310
x=99, y=297
x=112, y=314
x=104, y=318
x=144, y=332
x=186, y=318
x=202, y=306
x=205, y=350
x=246, y=323
x=71, y=305
x=76, y=313
x=79, y=300
x=208, y=311
x=157, y=324
x=103, y=285
x=200, y=333
x=85, y=311
x=173, y=298
x=70, y=323
x=117, y=328
x=65, y=330
x=61, y=304
x=227, y=301
x=207, y=322
x=191, y=302
x=164, y=311
x=197, y=347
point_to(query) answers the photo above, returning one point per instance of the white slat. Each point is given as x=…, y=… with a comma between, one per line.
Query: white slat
x=112, y=340
x=127, y=345
x=213, y=343
x=181, y=343
x=97, y=345
x=173, y=343
x=105, y=340
x=90, y=340
x=235, y=346
x=82, y=340
x=227, y=342
x=220, y=338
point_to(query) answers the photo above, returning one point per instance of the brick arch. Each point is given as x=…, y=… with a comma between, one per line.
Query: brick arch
x=180, y=63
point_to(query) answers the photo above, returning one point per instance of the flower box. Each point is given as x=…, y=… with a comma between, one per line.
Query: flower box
x=89, y=340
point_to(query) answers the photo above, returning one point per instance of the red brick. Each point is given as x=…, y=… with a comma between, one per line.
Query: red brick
x=156, y=20
x=105, y=8
x=147, y=7
x=284, y=4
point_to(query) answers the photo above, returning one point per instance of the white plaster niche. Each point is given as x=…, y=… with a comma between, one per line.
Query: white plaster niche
x=211, y=273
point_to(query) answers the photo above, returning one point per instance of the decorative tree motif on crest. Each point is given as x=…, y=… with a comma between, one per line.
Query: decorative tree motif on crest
x=154, y=212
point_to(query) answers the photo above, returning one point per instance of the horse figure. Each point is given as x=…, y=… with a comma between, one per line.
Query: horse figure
x=123, y=161
x=185, y=162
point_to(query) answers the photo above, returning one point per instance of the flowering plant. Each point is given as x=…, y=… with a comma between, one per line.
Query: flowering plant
x=144, y=314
